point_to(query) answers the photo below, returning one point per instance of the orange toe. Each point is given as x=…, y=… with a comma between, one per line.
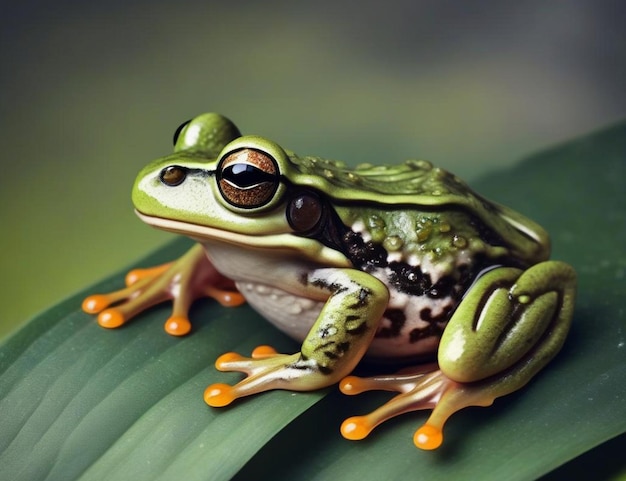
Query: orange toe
x=261, y=352
x=177, y=326
x=111, y=318
x=356, y=428
x=226, y=298
x=428, y=437
x=225, y=359
x=351, y=385
x=219, y=395
x=95, y=303
x=138, y=274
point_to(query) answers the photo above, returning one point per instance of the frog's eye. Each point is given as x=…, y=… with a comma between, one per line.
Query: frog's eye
x=180, y=129
x=248, y=178
x=173, y=175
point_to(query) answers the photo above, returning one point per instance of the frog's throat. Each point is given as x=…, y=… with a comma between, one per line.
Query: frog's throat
x=287, y=241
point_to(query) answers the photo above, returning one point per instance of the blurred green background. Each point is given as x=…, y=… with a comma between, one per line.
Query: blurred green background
x=91, y=91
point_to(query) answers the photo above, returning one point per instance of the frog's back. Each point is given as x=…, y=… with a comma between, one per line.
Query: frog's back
x=417, y=184
x=418, y=179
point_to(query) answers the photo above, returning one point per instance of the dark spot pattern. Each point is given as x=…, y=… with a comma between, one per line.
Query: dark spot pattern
x=363, y=300
x=370, y=256
x=326, y=371
x=426, y=314
x=325, y=332
x=432, y=330
x=302, y=365
x=358, y=330
x=444, y=287
x=330, y=286
x=366, y=256
x=397, y=319
x=409, y=279
x=334, y=350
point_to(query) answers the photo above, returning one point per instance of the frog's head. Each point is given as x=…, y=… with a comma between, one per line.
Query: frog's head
x=219, y=185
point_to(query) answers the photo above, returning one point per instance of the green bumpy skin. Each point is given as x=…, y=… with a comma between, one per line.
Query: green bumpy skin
x=397, y=263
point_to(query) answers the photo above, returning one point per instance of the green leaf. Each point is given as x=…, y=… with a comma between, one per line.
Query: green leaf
x=81, y=402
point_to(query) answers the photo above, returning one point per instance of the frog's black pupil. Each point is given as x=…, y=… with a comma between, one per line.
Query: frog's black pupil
x=179, y=130
x=245, y=175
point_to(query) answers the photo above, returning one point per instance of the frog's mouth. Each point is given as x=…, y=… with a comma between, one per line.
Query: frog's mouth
x=274, y=242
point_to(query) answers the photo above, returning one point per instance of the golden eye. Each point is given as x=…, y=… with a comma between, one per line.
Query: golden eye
x=248, y=178
x=173, y=175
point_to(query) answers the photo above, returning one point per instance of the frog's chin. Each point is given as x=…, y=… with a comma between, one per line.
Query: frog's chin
x=205, y=234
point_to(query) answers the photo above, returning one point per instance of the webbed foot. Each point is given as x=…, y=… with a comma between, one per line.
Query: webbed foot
x=422, y=387
x=266, y=369
x=183, y=281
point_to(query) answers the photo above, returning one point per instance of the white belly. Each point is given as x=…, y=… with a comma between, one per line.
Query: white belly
x=294, y=313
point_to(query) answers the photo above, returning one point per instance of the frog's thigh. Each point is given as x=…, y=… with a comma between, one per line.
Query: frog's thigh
x=348, y=321
x=509, y=318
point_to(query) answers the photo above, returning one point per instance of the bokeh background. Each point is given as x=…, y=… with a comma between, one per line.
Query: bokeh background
x=91, y=91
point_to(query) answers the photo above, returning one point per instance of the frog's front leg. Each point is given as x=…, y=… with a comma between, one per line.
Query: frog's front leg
x=509, y=325
x=182, y=281
x=334, y=345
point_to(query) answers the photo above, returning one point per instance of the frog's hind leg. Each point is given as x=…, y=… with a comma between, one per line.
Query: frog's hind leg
x=508, y=327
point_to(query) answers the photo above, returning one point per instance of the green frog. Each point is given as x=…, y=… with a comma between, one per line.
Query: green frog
x=396, y=263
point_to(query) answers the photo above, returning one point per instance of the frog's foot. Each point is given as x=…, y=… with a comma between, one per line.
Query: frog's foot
x=183, y=281
x=423, y=387
x=506, y=328
x=266, y=370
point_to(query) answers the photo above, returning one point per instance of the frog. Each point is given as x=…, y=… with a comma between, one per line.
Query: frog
x=403, y=266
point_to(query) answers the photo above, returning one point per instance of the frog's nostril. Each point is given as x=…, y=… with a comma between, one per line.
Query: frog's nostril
x=173, y=175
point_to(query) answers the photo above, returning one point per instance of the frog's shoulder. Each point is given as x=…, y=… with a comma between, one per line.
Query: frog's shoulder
x=417, y=184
